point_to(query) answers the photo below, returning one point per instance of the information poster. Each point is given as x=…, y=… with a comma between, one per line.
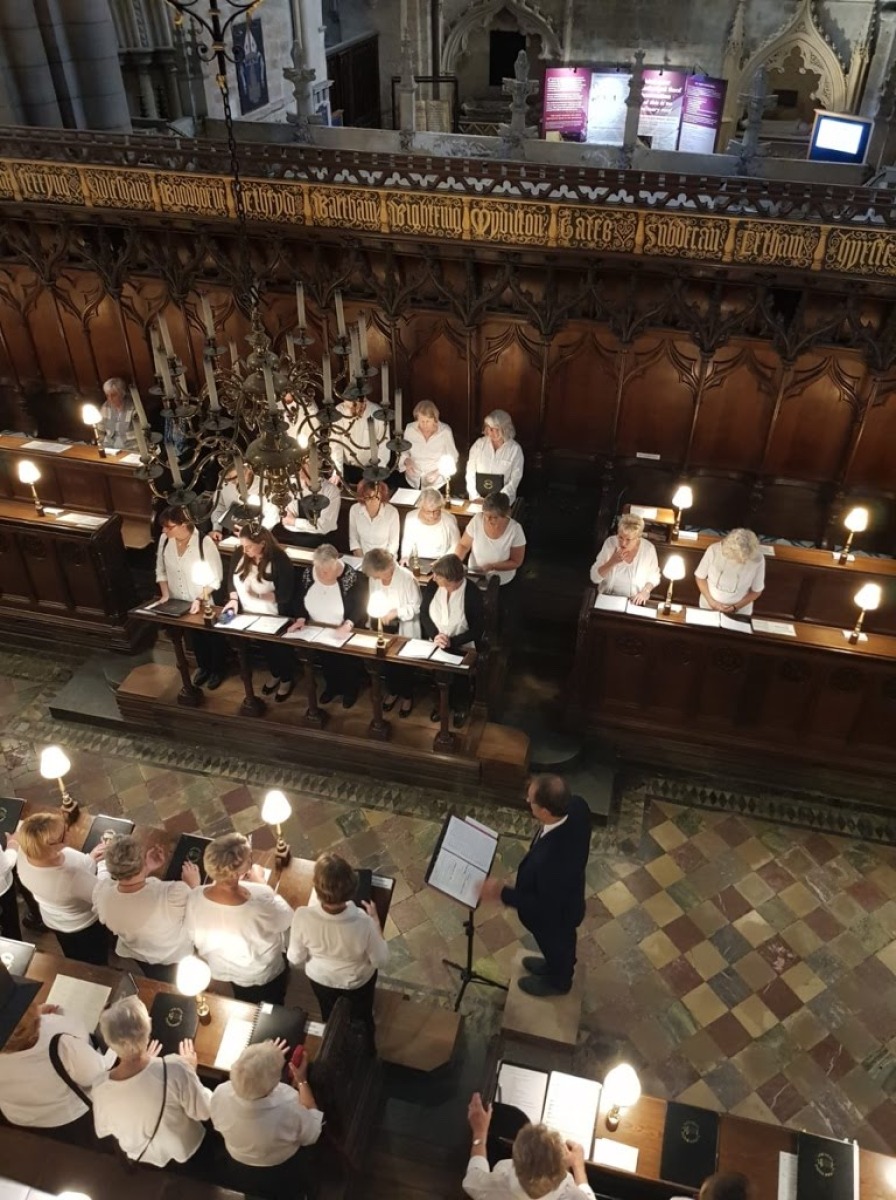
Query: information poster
x=701, y=114
x=606, y=107
x=566, y=102
x=661, y=108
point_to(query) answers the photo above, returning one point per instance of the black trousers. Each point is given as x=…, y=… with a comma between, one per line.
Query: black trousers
x=281, y=660
x=557, y=944
x=164, y=972
x=360, y=1000
x=9, y=914
x=272, y=992
x=290, y=1180
x=209, y=650
x=90, y=945
x=399, y=681
x=342, y=677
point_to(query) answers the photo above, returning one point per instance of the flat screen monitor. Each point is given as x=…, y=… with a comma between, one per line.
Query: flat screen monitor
x=839, y=137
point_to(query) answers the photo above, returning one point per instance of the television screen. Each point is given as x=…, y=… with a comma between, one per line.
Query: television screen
x=839, y=138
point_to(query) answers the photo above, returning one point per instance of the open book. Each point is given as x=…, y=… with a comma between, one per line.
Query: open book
x=462, y=859
x=321, y=635
x=567, y=1103
x=271, y=1021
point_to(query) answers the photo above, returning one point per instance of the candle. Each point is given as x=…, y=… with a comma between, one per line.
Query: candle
x=141, y=438
x=269, y=388
x=232, y=347
x=384, y=385
x=139, y=410
x=328, y=379
x=173, y=467
x=398, y=424
x=354, y=358
x=241, y=480
x=158, y=357
x=212, y=386
x=340, y=315
x=167, y=381
x=290, y=347
x=166, y=336
x=314, y=469
x=300, y=304
x=371, y=436
x=362, y=337
x=207, y=318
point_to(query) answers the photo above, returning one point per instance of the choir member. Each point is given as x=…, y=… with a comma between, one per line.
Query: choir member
x=402, y=598
x=452, y=615
x=117, y=413
x=9, y=907
x=373, y=522
x=351, y=445
x=494, y=541
x=238, y=923
x=731, y=573
x=495, y=460
x=228, y=494
x=431, y=441
x=180, y=547
x=627, y=563
x=304, y=530
x=429, y=531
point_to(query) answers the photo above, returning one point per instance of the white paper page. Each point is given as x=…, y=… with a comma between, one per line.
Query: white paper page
x=131, y=460
x=416, y=648
x=229, y=543
x=769, y=551
x=687, y=535
x=10, y=1190
x=443, y=656
x=47, y=447
x=308, y=633
x=82, y=520
x=151, y=607
x=472, y=843
x=234, y=1041
x=268, y=624
x=523, y=1088
x=615, y=1154
x=299, y=554
x=406, y=496
x=640, y=610
x=786, y=1175
x=333, y=637
x=474, y=505
x=53, y=512
x=571, y=1106
x=640, y=510
x=729, y=623
x=364, y=641
x=240, y=622
x=353, y=561
x=482, y=828
x=780, y=628
x=702, y=616
x=457, y=878
x=835, y=555
x=315, y=1028
x=382, y=881
x=611, y=603
x=77, y=996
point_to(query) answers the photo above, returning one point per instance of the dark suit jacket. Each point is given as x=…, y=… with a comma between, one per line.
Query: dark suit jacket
x=550, y=881
x=474, y=611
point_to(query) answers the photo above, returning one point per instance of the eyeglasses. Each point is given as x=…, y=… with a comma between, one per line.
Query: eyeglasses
x=230, y=478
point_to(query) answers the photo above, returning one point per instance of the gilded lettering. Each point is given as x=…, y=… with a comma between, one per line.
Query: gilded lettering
x=120, y=189
x=683, y=236
x=356, y=208
x=269, y=202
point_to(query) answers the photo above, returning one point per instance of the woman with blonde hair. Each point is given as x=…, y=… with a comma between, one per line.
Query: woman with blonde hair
x=731, y=573
x=627, y=564
x=429, y=531
x=373, y=522
x=62, y=881
x=431, y=441
x=495, y=462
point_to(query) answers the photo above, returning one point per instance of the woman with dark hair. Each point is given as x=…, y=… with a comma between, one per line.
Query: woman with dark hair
x=494, y=541
x=452, y=615
x=262, y=580
x=180, y=548
x=373, y=523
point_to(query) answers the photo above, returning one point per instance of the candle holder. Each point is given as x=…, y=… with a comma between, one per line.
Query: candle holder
x=683, y=498
x=203, y=577
x=29, y=474
x=377, y=607
x=193, y=977
x=55, y=764
x=621, y=1089
x=274, y=811
x=673, y=569
x=447, y=467
x=868, y=599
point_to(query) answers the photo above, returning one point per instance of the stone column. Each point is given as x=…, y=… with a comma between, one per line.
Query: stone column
x=167, y=60
x=633, y=111
x=519, y=89
x=148, y=103
x=27, y=56
x=407, y=95
x=301, y=78
x=82, y=50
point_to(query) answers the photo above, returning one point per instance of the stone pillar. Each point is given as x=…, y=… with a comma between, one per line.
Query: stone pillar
x=309, y=53
x=407, y=95
x=633, y=110
x=519, y=89
x=748, y=150
x=89, y=43
x=301, y=78
x=148, y=104
x=168, y=62
x=31, y=76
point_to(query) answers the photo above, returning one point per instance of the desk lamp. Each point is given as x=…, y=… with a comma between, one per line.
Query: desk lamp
x=276, y=809
x=673, y=568
x=204, y=577
x=55, y=764
x=622, y=1089
x=447, y=467
x=377, y=607
x=28, y=473
x=192, y=978
x=856, y=521
x=683, y=498
x=868, y=599
x=72, y=1196
x=92, y=416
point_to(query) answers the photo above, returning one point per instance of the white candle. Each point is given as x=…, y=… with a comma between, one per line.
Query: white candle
x=384, y=385
x=340, y=315
x=172, y=466
x=290, y=347
x=212, y=386
x=354, y=358
x=269, y=388
x=328, y=379
x=371, y=435
x=241, y=480
x=138, y=407
x=398, y=424
x=314, y=469
x=167, y=380
x=141, y=438
x=300, y=304
x=232, y=347
x=362, y=337
x=207, y=318
x=166, y=336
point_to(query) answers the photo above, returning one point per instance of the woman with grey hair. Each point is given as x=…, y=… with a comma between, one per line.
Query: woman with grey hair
x=429, y=531
x=265, y=1123
x=154, y=1107
x=495, y=461
x=731, y=573
x=401, y=597
x=627, y=564
x=237, y=923
x=431, y=441
x=118, y=415
x=146, y=913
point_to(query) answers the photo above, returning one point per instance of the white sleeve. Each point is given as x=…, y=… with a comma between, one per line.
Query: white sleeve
x=651, y=564
x=514, y=473
x=472, y=468
x=297, y=951
x=382, y=438
x=478, y=1178
x=161, y=569
x=353, y=537
x=81, y=1061
x=270, y=514
x=408, y=534
x=192, y=1096
x=311, y=1123
x=758, y=582
x=451, y=447
x=519, y=536
x=213, y=558
x=221, y=507
x=279, y=913
x=701, y=571
x=394, y=531
x=605, y=553
x=378, y=947
x=329, y=518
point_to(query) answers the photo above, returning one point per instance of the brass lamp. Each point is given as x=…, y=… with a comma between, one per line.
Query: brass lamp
x=28, y=473
x=204, y=577
x=673, y=568
x=868, y=599
x=276, y=809
x=377, y=607
x=92, y=416
x=55, y=764
x=192, y=978
x=622, y=1089
x=683, y=498
x=856, y=521
x=447, y=467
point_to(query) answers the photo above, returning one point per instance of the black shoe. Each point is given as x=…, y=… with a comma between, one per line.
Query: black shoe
x=435, y=716
x=281, y=696
x=389, y=703
x=460, y=718
x=541, y=985
x=326, y=696
x=349, y=699
x=214, y=681
x=268, y=689
x=200, y=678
x=535, y=964
x=35, y=924
x=407, y=707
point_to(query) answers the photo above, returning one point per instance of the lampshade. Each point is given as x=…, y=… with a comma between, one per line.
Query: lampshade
x=253, y=500
x=856, y=520
x=54, y=762
x=303, y=440
x=377, y=605
x=447, y=465
x=275, y=808
x=202, y=573
x=90, y=414
x=673, y=567
x=622, y=1087
x=193, y=975
x=868, y=597
x=684, y=496
x=73, y=1195
x=28, y=472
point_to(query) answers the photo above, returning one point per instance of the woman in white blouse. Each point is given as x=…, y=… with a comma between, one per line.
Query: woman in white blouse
x=237, y=923
x=496, y=453
x=731, y=573
x=429, y=531
x=154, y=1107
x=453, y=616
x=495, y=542
x=265, y=1123
x=9, y=907
x=402, y=598
x=147, y=914
x=373, y=523
x=312, y=515
x=340, y=946
x=431, y=441
x=180, y=548
x=62, y=882
x=627, y=564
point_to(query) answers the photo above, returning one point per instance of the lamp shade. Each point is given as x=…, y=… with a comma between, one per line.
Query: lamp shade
x=202, y=574
x=73, y=1195
x=622, y=1087
x=90, y=414
x=856, y=520
x=673, y=567
x=868, y=597
x=302, y=439
x=684, y=496
x=253, y=500
x=193, y=975
x=28, y=472
x=275, y=808
x=54, y=762
x=447, y=465
x=377, y=605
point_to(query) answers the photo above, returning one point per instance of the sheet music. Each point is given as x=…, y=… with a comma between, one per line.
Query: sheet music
x=769, y=551
x=353, y=560
x=733, y=626
x=571, y=1106
x=780, y=628
x=308, y=633
x=611, y=603
x=787, y=1176
x=239, y=624
x=523, y=1088
x=364, y=641
x=640, y=510
x=456, y=878
x=47, y=447
x=82, y=520
x=315, y=1028
x=333, y=637
x=640, y=610
x=80, y=998
x=702, y=616
x=234, y=1041
x=406, y=496
x=474, y=843
x=443, y=656
x=131, y=460
x=268, y=624
x=687, y=535
x=300, y=554
x=417, y=648
x=615, y=1154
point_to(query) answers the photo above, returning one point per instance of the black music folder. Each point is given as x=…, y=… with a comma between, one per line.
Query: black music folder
x=190, y=848
x=364, y=890
x=16, y=956
x=172, y=608
x=275, y=1021
x=10, y=813
x=115, y=826
x=486, y=484
x=826, y=1169
x=173, y=1018
x=690, y=1138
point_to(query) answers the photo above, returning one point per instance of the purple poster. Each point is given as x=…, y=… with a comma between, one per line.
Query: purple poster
x=661, y=108
x=566, y=91
x=704, y=100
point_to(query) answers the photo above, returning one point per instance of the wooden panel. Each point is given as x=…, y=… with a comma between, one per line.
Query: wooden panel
x=436, y=370
x=735, y=410
x=510, y=375
x=812, y=430
x=875, y=460
x=657, y=408
x=582, y=374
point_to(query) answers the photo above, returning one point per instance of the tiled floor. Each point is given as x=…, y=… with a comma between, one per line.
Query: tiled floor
x=740, y=965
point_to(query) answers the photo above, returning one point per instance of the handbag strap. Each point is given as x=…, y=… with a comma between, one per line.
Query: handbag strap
x=59, y=1068
x=161, y=1111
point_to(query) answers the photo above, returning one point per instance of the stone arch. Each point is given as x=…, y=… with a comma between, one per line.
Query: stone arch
x=481, y=13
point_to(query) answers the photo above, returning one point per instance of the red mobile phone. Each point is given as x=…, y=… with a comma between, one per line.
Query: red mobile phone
x=297, y=1055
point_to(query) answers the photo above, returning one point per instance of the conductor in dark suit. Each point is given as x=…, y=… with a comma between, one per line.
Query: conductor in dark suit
x=549, y=892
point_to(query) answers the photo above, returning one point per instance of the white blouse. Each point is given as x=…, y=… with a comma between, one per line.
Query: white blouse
x=426, y=453
x=127, y=1109
x=484, y=459
x=324, y=603
x=480, y=1183
x=177, y=569
x=446, y=610
x=7, y=862
x=339, y=950
x=242, y=943
x=373, y=533
x=149, y=923
x=487, y=550
x=327, y=520
x=403, y=595
x=255, y=595
x=430, y=541
x=64, y=894
x=229, y=495
x=31, y=1093
x=728, y=581
x=627, y=579
x=264, y=1132
x=351, y=437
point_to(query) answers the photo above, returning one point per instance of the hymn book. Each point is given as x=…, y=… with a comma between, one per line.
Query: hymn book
x=79, y=998
x=10, y=813
x=272, y=1021
x=566, y=1103
x=826, y=1169
x=462, y=859
x=105, y=829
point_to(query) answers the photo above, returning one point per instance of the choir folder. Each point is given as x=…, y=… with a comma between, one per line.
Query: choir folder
x=272, y=1021
x=10, y=813
x=462, y=859
x=690, y=1137
x=101, y=827
x=826, y=1169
